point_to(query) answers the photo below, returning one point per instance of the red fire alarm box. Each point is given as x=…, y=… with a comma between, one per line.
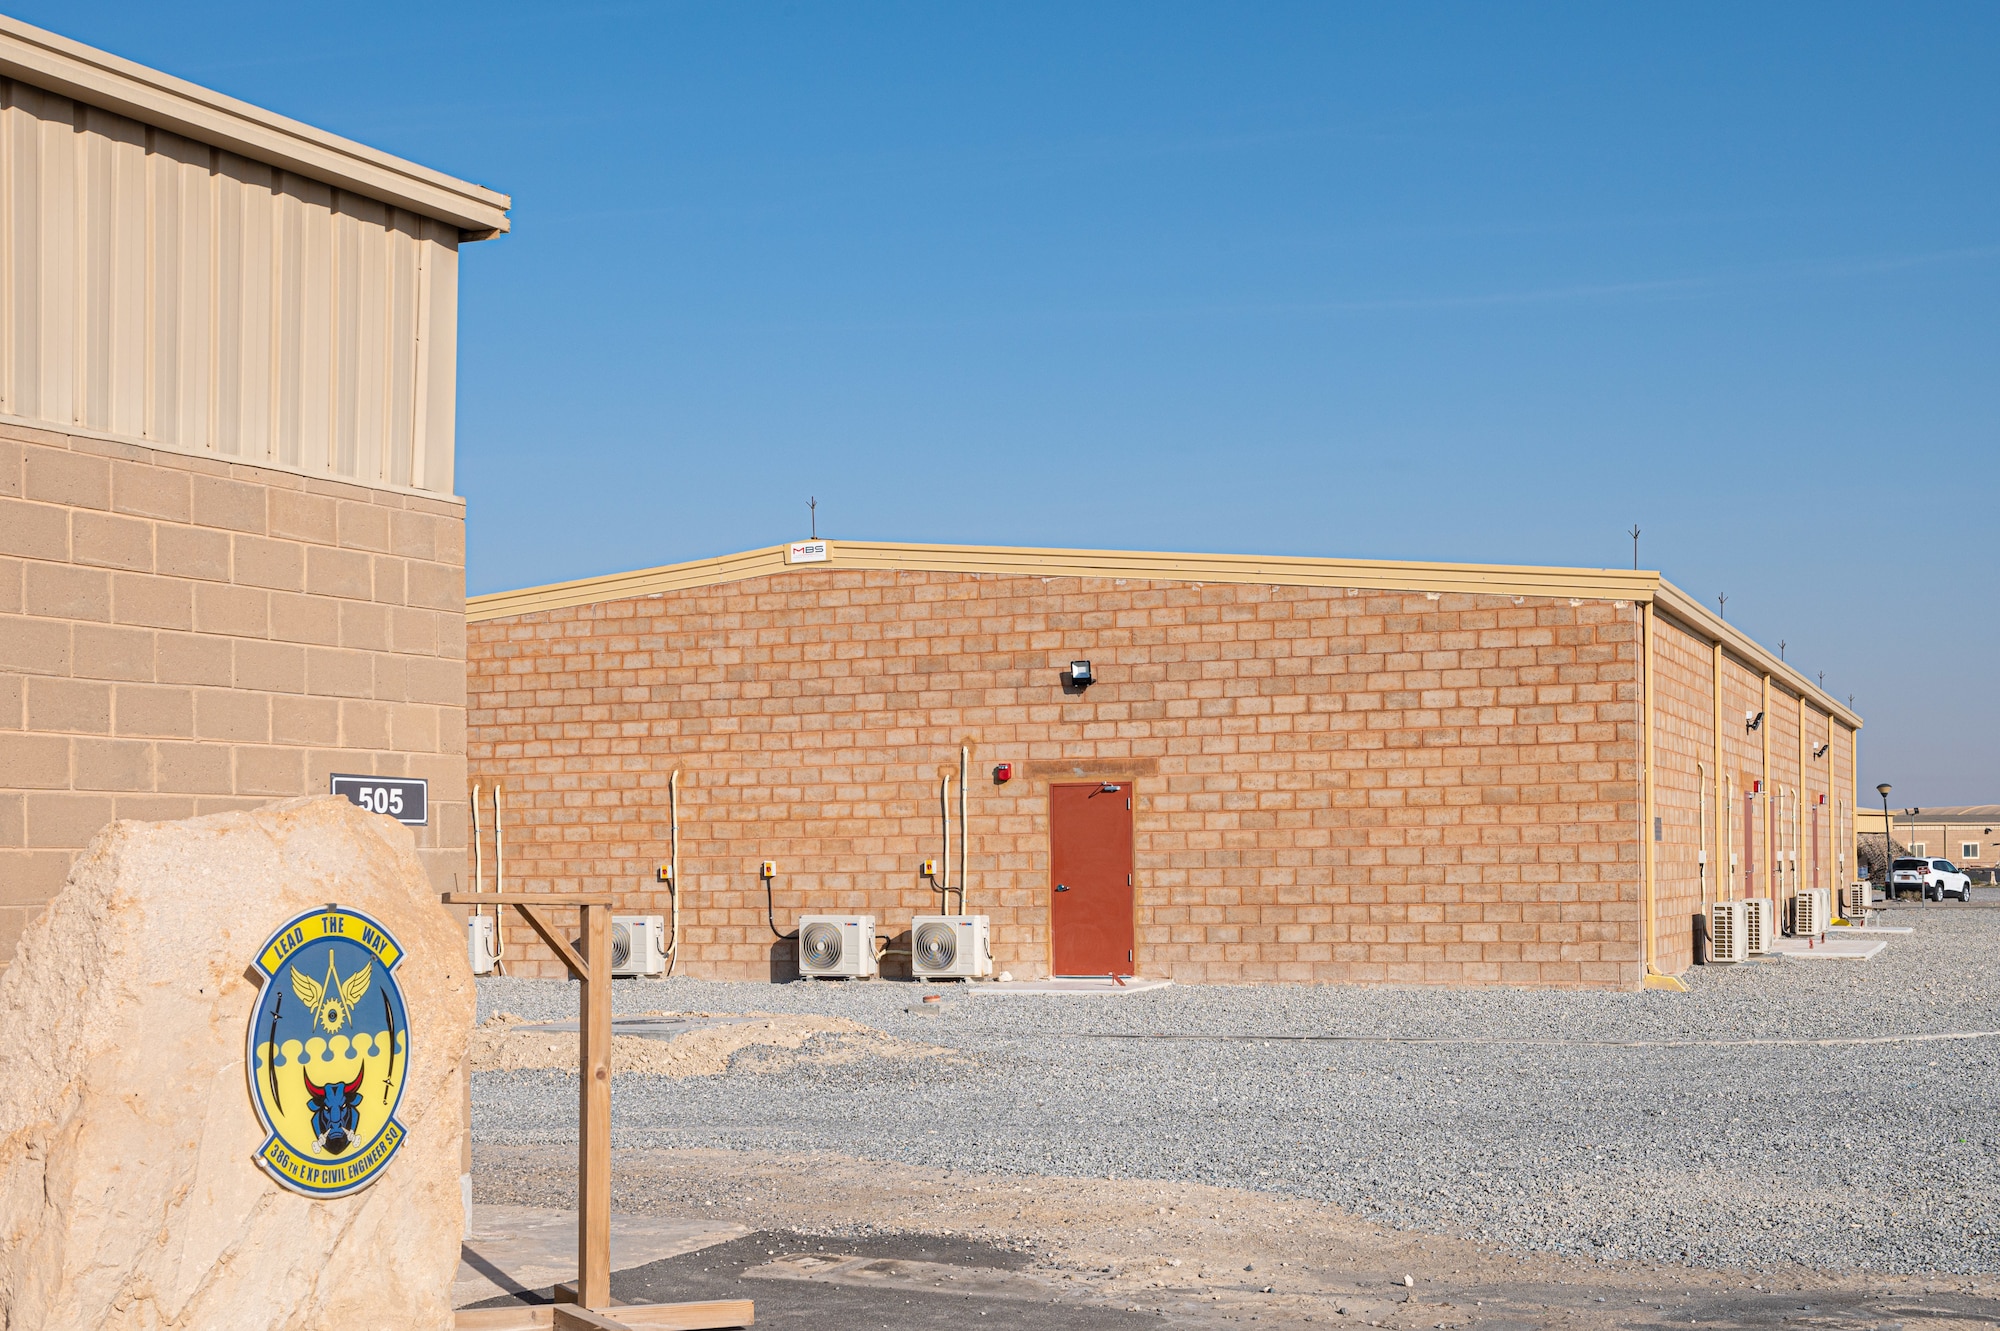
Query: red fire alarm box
x=1002, y=773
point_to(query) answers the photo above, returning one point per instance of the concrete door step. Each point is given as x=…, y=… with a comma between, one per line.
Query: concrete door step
x=1078, y=985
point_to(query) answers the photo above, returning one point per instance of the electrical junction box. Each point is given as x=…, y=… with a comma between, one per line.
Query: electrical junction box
x=481, y=948
x=769, y=869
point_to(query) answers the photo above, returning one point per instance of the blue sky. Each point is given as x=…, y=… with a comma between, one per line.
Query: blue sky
x=1474, y=282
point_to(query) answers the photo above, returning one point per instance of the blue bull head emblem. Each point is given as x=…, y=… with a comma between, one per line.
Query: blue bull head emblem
x=335, y=1109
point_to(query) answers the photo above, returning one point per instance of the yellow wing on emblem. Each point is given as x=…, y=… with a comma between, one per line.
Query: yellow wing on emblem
x=309, y=991
x=355, y=987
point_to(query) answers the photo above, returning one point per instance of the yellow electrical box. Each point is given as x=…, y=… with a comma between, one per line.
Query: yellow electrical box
x=666, y=874
x=770, y=869
x=930, y=868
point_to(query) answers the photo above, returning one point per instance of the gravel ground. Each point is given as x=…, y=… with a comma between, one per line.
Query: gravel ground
x=1840, y=1157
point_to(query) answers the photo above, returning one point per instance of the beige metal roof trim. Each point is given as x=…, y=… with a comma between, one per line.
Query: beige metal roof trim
x=1278, y=570
x=70, y=68
x=1707, y=624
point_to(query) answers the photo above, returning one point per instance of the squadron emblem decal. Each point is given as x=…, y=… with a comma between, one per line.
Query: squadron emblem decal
x=329, y=1044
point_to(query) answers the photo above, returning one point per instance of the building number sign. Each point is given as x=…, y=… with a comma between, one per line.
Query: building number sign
x=406, y=799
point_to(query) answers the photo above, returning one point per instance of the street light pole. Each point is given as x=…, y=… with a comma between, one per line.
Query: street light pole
x=1888, y=859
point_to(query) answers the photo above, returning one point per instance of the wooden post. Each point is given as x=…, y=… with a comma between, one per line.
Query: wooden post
x=593, y=1212
x=592, y=967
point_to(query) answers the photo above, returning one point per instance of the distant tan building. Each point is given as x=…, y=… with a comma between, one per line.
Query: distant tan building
x=1292, y=768
x=1962, y=833
x=231, y=561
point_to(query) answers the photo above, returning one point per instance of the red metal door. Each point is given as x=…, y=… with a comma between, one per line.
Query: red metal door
x=1090, y=878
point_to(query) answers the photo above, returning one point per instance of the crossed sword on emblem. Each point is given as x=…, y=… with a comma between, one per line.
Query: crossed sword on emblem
x=271, y=1063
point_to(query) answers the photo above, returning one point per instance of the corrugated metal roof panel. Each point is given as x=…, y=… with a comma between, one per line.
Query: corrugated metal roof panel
x=162, y=291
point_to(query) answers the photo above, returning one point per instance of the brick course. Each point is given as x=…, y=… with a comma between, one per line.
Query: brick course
x=1335, y=785
x=177, y=635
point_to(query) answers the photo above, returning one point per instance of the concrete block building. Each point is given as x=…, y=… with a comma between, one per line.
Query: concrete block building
x=231, y=561
x=1961, y=833
x=1334, y=770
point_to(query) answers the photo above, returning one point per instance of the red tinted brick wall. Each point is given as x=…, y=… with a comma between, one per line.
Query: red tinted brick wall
x=1683, y=788
x=1362, y=786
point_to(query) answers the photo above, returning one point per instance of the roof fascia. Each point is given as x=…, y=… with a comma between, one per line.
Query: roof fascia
x=59, y=65
x=1277, y=570
x=1707, y=624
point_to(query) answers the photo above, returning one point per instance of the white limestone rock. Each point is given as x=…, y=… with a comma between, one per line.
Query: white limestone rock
x=130, y=1196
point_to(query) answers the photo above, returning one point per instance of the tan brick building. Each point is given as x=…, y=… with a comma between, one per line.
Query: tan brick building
x=1337, y=770
x=1961, y=833
x=231, y=561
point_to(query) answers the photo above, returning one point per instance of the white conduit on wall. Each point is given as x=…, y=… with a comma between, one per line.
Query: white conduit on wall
x=1701, y=847
x=1725, y=868
x=500, y=872
x=499, y=882
x=478, y=852
x=964, y=837
x=944, y=858
x=674, y=867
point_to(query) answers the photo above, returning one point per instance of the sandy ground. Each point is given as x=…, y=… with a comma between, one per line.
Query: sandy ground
x=1203, y=1256
x=500, y=1044
x=1198, y=1255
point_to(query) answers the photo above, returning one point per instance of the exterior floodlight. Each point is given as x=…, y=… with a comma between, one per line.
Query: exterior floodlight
x=1079, y=674
x=1820, y=752
x=1752, y=720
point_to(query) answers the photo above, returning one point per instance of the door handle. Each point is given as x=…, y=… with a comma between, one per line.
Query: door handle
x=1062, y=887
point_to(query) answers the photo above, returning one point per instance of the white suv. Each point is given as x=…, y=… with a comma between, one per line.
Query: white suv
x=1936, y=878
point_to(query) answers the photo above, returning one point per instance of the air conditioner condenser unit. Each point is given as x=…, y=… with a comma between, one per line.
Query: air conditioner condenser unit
x=1809, y=913
x=638, y=945
x=837, y=947
x=1860, y=899
x=1728, y=933
x=951, y=947
x=1759, y=921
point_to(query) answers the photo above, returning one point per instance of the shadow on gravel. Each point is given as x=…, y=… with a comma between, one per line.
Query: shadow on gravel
x=890, y=1294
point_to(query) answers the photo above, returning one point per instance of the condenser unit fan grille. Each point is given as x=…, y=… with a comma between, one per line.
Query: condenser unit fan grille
x=936, y=946
x=819, y=946
x=621, y=946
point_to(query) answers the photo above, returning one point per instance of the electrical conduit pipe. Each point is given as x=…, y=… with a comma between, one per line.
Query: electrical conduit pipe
x=964, y=837
x=674, y=868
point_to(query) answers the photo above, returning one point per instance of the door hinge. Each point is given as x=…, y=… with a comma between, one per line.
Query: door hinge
x=1128, y=804
x=1128, y=880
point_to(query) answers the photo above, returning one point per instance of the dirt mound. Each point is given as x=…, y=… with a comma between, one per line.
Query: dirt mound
x=505, y=1044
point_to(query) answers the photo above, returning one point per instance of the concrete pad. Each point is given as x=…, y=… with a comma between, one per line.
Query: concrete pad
x=1104, y=985
x=646, y=1028
x=1835, y=948
x=514, y=1249
x=903, y=1275
x=1868, y=929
